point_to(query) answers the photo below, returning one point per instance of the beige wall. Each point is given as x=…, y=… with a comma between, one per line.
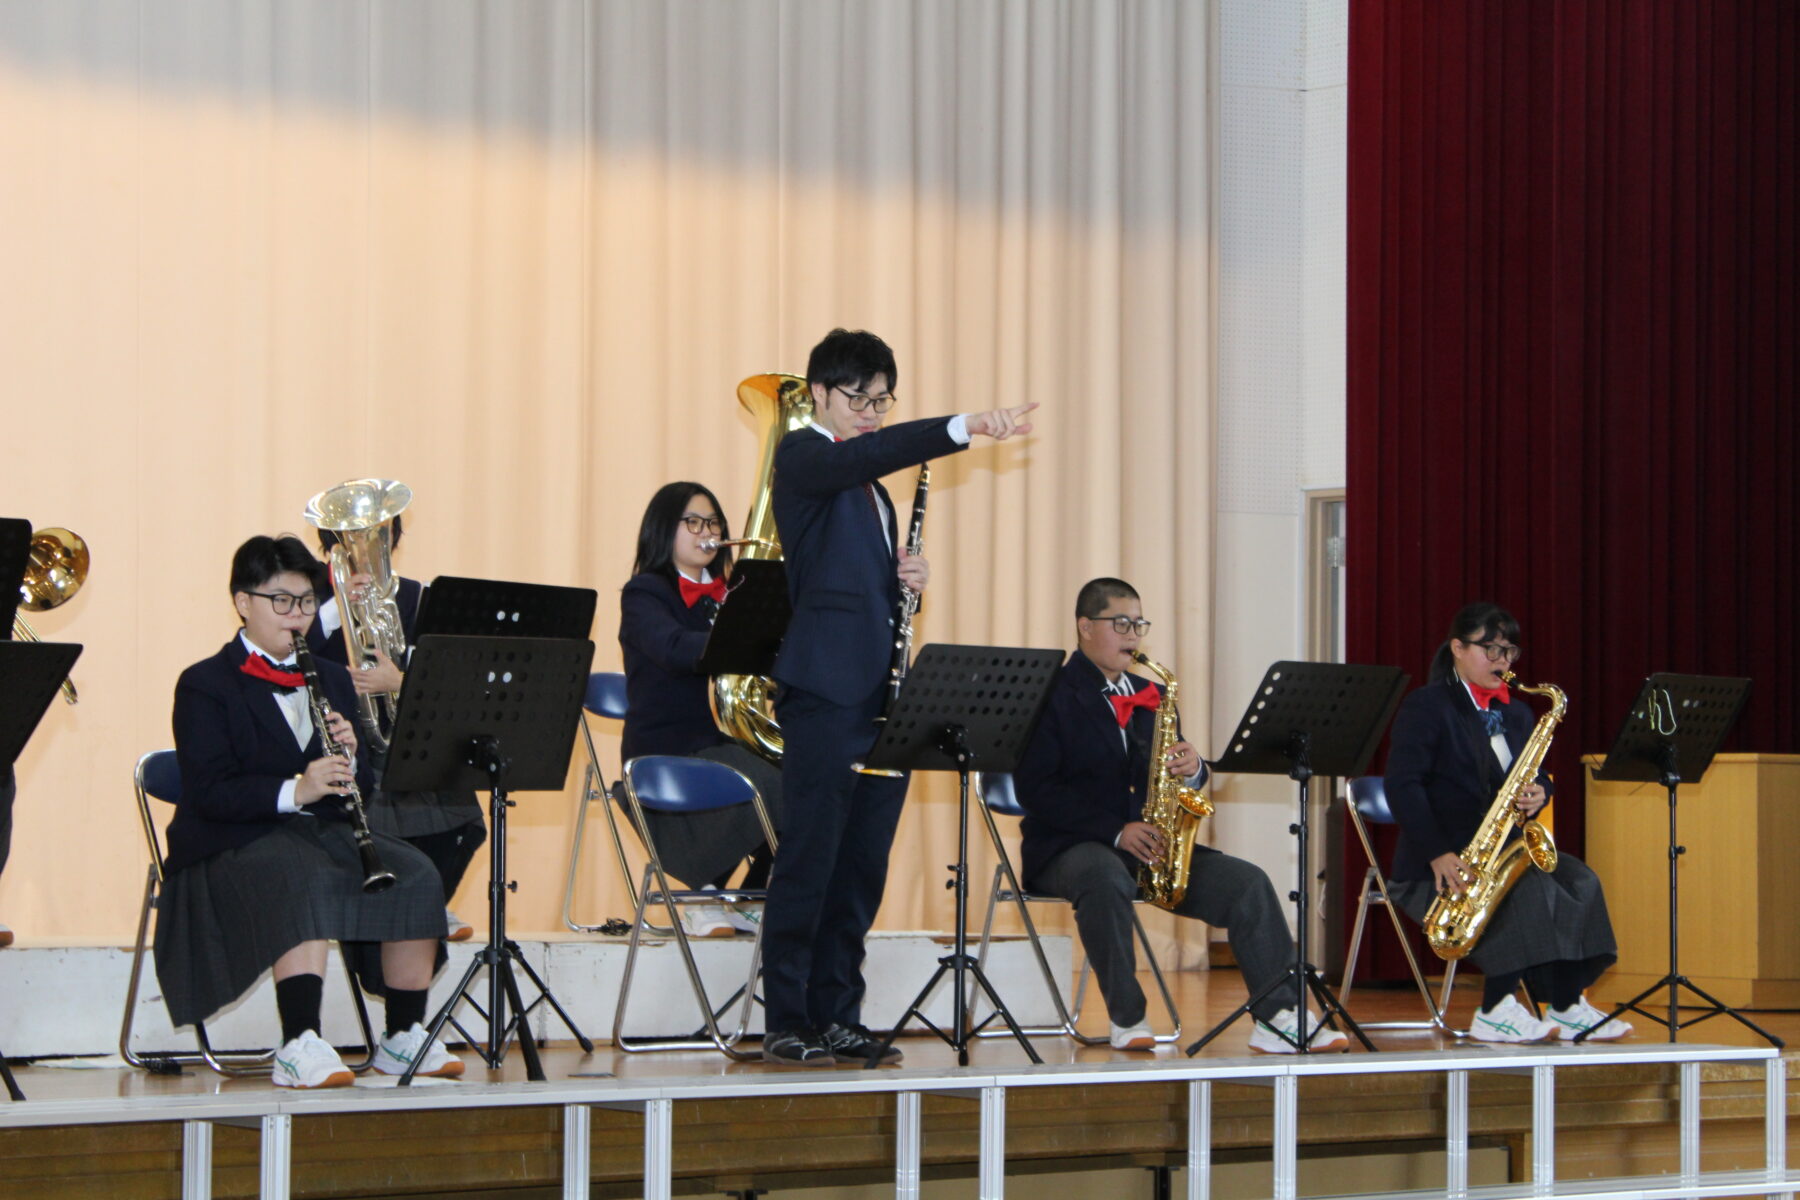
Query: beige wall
x=518, y=256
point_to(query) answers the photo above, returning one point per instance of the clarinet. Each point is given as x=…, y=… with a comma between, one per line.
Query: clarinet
x=376, y=877
x=909, y=599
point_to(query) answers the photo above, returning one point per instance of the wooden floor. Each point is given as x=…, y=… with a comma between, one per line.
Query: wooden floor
x=735, y=1144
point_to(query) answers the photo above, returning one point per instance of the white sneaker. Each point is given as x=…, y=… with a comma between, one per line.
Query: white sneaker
x=1581, y=1015
x=1133, y=1037
x=308, y=1062
x=1282, y=1035
x=706, y=921
x=744, y=918
x=459, y=929
x=398, y=1050
x=1510, y=1021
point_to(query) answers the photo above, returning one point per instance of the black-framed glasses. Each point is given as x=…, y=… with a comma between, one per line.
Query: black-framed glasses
x=695, y=523
x=1124, y=625
x=861, y=400
x=1497, y=651
x=283, y=602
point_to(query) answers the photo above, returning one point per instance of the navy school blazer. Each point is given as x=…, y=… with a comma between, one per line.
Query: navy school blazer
x=669, y=710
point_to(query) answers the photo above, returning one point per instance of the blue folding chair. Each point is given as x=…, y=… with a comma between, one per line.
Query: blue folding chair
x=997, y=796
x=605, y=698
x=158, y=776
x=668, y=784
x=1369, y=806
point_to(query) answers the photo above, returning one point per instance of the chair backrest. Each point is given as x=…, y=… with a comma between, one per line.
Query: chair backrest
x=1369, y=794
x=997, y=793
x=158, y=775
x=666, y=783
x=606, y=694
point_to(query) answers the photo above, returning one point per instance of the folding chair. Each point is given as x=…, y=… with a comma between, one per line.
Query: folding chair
x=605, y=698
x=158, y=775
x=997, y=796
x=668, y=784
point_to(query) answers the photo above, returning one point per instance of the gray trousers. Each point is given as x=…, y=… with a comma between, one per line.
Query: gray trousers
x=1224, y=891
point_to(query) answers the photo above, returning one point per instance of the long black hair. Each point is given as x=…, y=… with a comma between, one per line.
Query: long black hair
x=1473, y=622
x=656, y=533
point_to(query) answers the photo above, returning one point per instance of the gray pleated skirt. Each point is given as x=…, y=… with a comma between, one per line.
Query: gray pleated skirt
x=224, y=921
x=1557, y=916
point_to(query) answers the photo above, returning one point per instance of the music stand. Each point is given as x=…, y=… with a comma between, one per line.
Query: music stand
x=503, y=608
x=1669, y=736
x=1309, y=718
x=30, y=674
x=15, y=556
x=963, y=709
x=500, y=714
x=752, y=619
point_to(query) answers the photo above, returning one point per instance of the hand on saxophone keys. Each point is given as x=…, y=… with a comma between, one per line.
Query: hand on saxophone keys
x=1142, y=840
x=1451, y=873
x=1531, y=800
x=1183, y=759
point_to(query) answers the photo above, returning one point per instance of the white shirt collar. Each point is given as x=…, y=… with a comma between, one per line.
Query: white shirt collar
x=705, y=575
x=277, y=659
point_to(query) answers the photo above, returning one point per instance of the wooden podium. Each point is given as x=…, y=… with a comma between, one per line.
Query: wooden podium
x=1740, y=924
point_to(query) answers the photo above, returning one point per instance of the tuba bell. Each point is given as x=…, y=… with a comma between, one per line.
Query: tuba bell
x=361, y=513
x=55, y=571
x=741, y=704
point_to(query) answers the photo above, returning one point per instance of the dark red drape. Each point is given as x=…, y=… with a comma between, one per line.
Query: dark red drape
x=1573, y=281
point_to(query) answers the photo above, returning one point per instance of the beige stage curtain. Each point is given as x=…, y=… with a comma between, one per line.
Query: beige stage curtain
x=518, y=255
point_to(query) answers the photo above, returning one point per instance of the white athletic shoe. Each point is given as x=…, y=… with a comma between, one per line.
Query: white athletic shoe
x=706, y=921
x=1133, y=1037
x=745, y=918
x=1510, y=1021
x=309, y=1062
x=1581, y=1015
x=459, y=930
x=397, y=1051
x=1282, y=1035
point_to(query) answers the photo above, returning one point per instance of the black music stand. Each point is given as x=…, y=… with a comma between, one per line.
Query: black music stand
x=494, y=713
x=963, y=709
x=747, y=632
x=503, y=608
x=1669, y=736
x=15, y=556
x=1309, y=718
x=30, y=674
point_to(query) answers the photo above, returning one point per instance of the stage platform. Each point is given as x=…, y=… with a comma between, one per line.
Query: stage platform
x=1638, y=1118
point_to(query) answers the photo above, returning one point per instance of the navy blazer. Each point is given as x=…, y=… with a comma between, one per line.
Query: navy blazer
x=1078, y=782
x=235, y=750
x=840, y=572
x=1442, y=775
x=407, y=599
x=668, y=707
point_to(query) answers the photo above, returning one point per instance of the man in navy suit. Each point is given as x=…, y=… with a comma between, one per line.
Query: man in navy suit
x=845, y=569
x=1082, y=784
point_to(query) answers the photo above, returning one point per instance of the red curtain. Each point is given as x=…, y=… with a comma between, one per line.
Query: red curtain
x=1573, y=295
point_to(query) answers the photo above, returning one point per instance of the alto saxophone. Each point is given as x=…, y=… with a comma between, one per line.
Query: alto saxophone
x=376, y=877
x=1455, y=923
x=1169, y=803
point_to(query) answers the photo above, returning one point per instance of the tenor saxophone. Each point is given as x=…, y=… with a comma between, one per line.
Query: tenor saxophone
x=1169, y=803
x=1455, y=923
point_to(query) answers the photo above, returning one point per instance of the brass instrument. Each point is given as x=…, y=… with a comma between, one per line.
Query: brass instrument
x=361, y=513
x=1455, y=923
x=1169, y=803
x=741, y=704
x=376, y=877
x=57, y=568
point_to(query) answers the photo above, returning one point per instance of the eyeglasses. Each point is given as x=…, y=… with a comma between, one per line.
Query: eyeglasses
x=1124, y=625
x=695, y=523
x=859, y=401
x=283, y=602
x=1495, y=651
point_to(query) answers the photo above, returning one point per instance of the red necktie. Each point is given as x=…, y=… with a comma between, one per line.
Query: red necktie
x=691, y=591
x=261, y=668
x=1149, y=697
x=1486, y=696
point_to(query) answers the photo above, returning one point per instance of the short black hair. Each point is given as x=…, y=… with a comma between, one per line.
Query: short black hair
x=849, y=358
x=262, y=558
x=329, y=538
x=1096, y=594
x=656, y=532
x=1482, y=619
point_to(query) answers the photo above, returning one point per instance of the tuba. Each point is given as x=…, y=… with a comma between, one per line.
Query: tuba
x=1455, y=923
x=55, y=571
x=1169, y=804
x=742, y=704
x=361, y=513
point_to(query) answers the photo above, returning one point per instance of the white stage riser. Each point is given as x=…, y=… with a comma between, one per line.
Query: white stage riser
x=69, y=1000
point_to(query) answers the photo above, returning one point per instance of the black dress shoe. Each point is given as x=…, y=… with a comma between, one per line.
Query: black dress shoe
x=797, y=1048
x=854, y=1044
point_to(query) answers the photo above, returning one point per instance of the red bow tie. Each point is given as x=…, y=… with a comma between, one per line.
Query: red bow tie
x=691, y=591
x=261, y=668
x=1149, y=697
x=1486, y=696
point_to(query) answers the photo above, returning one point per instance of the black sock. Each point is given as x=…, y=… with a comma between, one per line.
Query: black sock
x=297, y=1000
x=1496, y=988
x=405, y=1008
x=760, y=862
x=1566, y=981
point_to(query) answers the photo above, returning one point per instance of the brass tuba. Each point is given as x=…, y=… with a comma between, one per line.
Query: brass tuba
x=1169, y=803
x=361, y=513
x=1455, y=923
x=55, y=571
x=741, y=704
